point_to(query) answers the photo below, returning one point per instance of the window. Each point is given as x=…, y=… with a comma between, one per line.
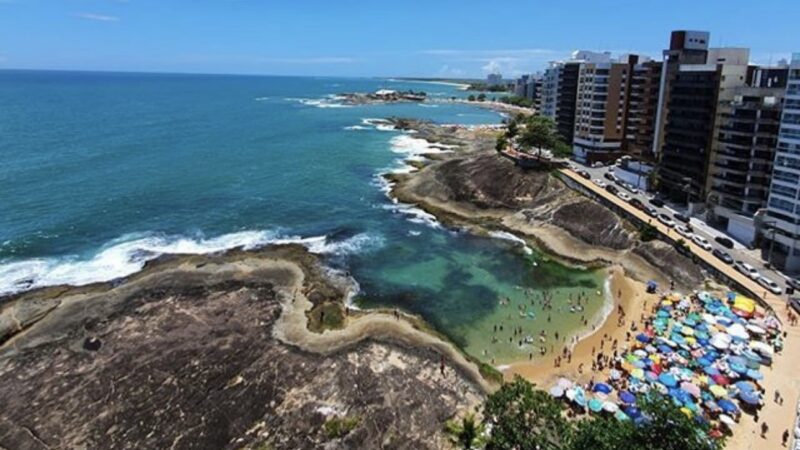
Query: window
x=784, y=190
x=790, y=133
x=781, y=204
x=788, y=177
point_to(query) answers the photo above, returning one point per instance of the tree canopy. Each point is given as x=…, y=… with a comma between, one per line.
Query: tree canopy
x=522, y=417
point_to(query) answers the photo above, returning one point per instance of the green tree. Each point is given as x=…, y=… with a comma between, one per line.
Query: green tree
x=539, y=133
x=481, y=97
x=524, y=418
x=471, y=98
x=467, y=433
x=512, y=129
x=647, y=233
x=501, y=143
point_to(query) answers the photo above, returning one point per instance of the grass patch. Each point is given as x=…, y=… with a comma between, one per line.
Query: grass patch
x=338, y=427
x=326, y=316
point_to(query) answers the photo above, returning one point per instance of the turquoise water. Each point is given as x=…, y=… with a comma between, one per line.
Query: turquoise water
x=101, y=172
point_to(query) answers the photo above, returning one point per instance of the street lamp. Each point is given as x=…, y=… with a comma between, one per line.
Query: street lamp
x=688, y=188
x=770, y=224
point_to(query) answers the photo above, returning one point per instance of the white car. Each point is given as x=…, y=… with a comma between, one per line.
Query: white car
x=624, y=196
x=771, y=285
x=631, y=188
x=683, y=231
x=599, y=182
x=747, y=269
x=666, y=220
x=702, y=242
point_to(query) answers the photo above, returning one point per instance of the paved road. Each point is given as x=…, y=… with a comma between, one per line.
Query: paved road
x=777, y=302
x=739, y=252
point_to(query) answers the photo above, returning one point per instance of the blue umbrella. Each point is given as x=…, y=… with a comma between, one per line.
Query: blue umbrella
x=663, y=348
x=651, y=376
x=744, y=386
x=749, y=397
x=595, y=405
x=704, y=362
x=727, y=406
x=602, y=387
x=633, y=412
x=711, y=370
x=627, y=397
x=643, y=338
x=754, y=374
x=667, y=380
x=738, y=368
x=737, y=360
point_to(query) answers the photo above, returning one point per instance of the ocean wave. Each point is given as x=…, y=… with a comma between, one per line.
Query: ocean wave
x=327, y=102
x=427, y=105
x=129, y=254
x=379, y=124
x=356, y=128
x=415, y=215
x=261, y=99
x=416, y=148
x=512, y=238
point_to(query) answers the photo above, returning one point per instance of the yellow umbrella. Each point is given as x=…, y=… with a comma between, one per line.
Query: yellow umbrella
x=637, y=373
x=687, y=331
x=687, y=411
x=666, y=303
x=718, y=391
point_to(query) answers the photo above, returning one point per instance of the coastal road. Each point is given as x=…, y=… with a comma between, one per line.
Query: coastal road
x=700, y=228
x=778, y=303
x=781, y=376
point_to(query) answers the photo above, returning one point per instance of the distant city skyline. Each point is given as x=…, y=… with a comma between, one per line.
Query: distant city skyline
x=446, y=39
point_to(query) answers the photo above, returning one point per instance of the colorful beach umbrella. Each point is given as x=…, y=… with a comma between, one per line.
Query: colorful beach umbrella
x=718, y=391
x=595, y=405
x=690, y=388
x=556, y=391
x=750, y=397
x=621, y=416
x=667, y=379
x=627, y=397
x=610, y=407
x=603, y=388
x=728, y=406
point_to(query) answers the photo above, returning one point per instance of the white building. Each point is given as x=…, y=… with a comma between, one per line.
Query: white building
x=783, y=206
x=494, y=79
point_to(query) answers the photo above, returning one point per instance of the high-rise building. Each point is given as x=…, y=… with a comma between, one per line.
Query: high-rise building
x=745, y=148
x=642, y=108
x=782, y=221
x=494, y=79
x=601, y=109
x=694, y=81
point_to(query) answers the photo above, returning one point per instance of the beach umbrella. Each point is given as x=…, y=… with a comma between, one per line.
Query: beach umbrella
x=640, y=353
x=738, y=331
x=633, y=412
x=738, y=368
x=691, y=388
x=643, y=338
x=610, y=407
x=602, y=388
x=595, y=405
x=580, y=396
x=637, y=373
x=751, y=355
x=662, y=314
x=727, y=420
x=627, y=397
x=687, y=331
x=720, y=379
x=718, y=391
x=687, y=412
x=615, y=374
x=721, y=341
x=570, y=394
x=762, y=347
x=565, y=383
x=665, y=349
x=755, y=329
x=743, y=386
x=728, y=406
x=650, y=349
x=711, y=370
x=556, y=391
x=651, y=376
x=639, y=364
x=621, y=416
x=749, y=397
x=667, y=379
x=711, y=405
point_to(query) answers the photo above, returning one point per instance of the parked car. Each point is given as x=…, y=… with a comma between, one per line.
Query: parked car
x=597, y=164
x=681, y=217
x=666, y=220
x=722, y=256
x=631, y=188
x=610, y=176
x=624, y=196
x=770, y=285
x=657, y=202
x=636, y=203
x=599, y=182
x=612, y=189
x=794, y=283
x=702, y=242
x=683, y=231
x=619, y=182
x=650, y=211
x=747, y=269
x=723, y=241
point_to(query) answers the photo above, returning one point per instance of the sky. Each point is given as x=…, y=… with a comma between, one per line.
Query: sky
x=432, y=38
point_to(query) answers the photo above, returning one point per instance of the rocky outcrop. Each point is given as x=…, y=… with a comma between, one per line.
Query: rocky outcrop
x=185, y=355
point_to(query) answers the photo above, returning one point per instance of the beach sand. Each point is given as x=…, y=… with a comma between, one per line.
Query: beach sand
x=633, y=299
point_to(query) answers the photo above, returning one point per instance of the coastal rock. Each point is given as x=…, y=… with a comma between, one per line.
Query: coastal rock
x=183, y=355
x=674, y=265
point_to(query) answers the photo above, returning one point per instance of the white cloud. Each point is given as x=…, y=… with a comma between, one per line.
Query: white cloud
x=492, y=67
x=97, y=17
x=447, y=71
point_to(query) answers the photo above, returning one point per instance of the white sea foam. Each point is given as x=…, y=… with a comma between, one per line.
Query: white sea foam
x=416, y=148
x=261, y=99
x=427, y=105
x=415, y=215
x=356, y=128
x=513, y=238
x=129, y=254
x=328, y=102
x=379, y=124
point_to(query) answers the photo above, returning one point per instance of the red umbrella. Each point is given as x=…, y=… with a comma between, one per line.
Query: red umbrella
x=721, y=380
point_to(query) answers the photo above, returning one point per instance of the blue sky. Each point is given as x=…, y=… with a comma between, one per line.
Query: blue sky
x=435, y=38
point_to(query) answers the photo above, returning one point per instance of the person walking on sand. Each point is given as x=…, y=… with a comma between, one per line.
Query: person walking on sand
x=785, y=438
x=764, y=429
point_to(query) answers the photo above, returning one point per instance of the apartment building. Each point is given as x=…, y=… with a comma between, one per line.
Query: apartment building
x=782, y=221
x=747, y=138
x=643, y=94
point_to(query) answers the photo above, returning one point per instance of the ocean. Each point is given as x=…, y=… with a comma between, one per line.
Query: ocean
x=101, y=172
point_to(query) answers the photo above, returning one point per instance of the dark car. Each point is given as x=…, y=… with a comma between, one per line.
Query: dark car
x=723, y=241
x=681, y=217
x=613, y=189
x=636, y=203
x=619, y=182
x=794, y=283
x=585, y=174
x=722, y=256
x=610, y=176
x=657, y=202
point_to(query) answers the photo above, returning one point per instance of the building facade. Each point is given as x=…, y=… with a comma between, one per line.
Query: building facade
x=642, y=108
x=782, y=221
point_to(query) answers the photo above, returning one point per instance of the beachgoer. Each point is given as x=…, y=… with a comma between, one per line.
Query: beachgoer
x=764, y=429
x=785, y=438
